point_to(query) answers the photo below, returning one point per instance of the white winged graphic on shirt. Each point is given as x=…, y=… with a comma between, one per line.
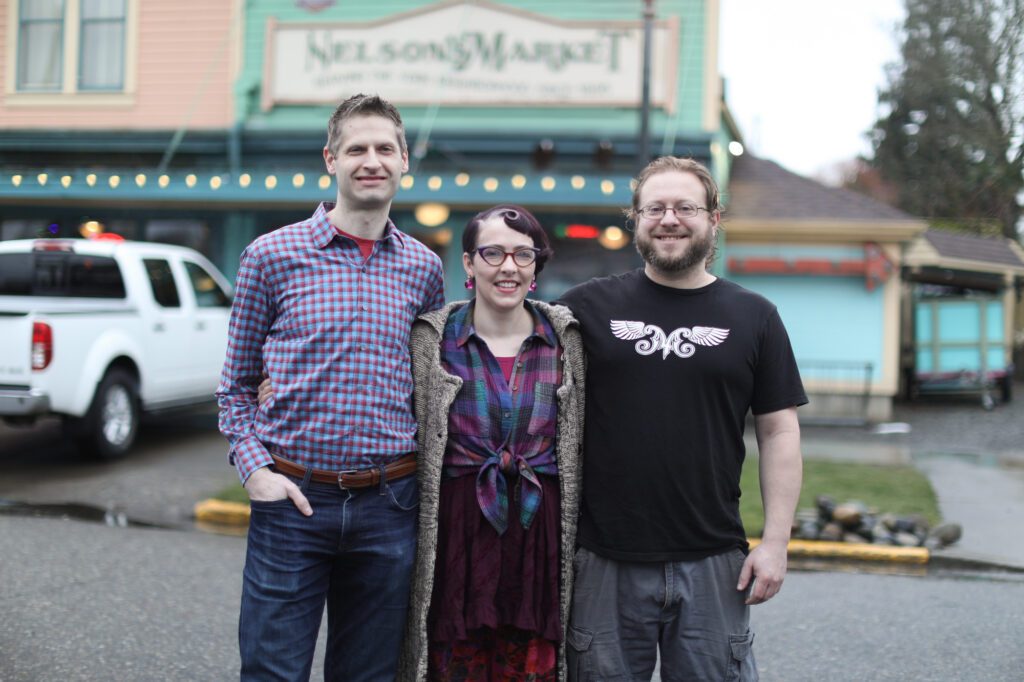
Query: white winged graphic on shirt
x=676, y=342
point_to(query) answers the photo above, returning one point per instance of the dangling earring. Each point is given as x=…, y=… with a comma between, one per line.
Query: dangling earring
x=533, y=284
x=470, y=282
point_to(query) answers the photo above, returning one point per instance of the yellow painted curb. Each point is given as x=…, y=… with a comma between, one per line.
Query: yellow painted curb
x=849, y=550
x=222, y=513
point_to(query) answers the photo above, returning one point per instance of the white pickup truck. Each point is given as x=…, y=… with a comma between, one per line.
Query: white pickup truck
x=98, y=332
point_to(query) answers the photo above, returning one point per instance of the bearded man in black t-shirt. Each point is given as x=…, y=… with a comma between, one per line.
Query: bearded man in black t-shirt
x=676, y=359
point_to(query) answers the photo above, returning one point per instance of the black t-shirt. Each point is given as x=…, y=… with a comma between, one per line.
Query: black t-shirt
x=671, y=374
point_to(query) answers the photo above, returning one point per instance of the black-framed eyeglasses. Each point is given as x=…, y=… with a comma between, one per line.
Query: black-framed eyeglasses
x=657, y=211
x=495, y=255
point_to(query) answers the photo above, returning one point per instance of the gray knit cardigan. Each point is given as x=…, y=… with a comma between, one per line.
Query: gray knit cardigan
x=435, y=390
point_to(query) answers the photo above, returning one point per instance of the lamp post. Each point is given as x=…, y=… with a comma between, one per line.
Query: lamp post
x=643, y=148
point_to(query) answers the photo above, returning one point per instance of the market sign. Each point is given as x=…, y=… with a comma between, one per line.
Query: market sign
x=466, y=52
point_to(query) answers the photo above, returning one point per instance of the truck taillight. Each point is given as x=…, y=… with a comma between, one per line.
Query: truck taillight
x=42, y=345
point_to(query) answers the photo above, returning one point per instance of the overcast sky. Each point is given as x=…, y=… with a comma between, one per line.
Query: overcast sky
x=802, y=75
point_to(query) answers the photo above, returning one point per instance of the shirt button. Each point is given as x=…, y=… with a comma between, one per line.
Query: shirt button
x=515, y=388
x=519, y=364
x=508, y=414
x=365, y=308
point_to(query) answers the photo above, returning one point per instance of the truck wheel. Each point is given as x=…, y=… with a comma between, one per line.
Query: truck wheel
x=109, y=430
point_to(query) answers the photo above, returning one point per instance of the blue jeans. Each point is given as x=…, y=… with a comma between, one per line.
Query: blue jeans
x=356, y=554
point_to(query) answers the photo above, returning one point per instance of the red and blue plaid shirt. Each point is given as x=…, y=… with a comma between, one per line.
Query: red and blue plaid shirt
x=499, y=428
x=332, y=332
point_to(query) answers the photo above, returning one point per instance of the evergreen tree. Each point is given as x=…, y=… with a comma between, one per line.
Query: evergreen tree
x=950, y=142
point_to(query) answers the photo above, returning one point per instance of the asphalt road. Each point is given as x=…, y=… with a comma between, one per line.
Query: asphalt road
x=90, y=601
x=858, y=627
x=82, y=601
x=178, y=461
x=87, y=601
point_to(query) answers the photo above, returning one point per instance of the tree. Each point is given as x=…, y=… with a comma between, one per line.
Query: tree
x=950, y=141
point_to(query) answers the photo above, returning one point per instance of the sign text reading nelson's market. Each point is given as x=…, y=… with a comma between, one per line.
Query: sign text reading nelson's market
x=469, y=53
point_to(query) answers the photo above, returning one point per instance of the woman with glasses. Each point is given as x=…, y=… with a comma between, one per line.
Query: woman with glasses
x=499, y=401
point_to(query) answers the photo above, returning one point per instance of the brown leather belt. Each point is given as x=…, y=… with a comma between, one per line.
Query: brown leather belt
x=353, y=478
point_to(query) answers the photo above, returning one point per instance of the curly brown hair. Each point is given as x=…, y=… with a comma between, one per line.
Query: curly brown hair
x=667, y=164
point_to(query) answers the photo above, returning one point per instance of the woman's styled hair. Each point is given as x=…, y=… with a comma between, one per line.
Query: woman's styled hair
x=520, y=220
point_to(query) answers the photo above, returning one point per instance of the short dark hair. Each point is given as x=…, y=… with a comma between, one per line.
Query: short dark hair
x=520, y=220
x=364, y=105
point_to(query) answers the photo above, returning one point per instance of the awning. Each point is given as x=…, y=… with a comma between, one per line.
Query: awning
x=215, y=188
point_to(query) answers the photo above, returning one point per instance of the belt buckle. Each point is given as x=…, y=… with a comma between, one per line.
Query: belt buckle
x=342, y=473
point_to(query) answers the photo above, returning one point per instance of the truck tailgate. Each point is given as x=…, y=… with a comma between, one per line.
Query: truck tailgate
x=15, y=348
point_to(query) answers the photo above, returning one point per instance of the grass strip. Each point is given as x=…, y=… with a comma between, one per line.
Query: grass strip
x=896, y=489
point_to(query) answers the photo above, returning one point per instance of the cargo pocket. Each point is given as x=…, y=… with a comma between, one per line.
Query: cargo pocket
x=594, y=661
x=741, y=663
x=578, y=641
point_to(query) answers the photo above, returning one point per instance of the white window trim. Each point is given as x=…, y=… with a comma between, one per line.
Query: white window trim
x=70, y=95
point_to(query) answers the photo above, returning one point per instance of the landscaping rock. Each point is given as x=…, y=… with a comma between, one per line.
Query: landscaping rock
x=809, y=530
x=946, y=534
x=904, y=539
x=849, y=514
x=880, y=534
x=853, y=521
x=832, y=532
x=825, y=505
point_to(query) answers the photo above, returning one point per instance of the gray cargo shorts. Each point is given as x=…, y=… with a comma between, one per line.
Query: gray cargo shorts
x=623, y=613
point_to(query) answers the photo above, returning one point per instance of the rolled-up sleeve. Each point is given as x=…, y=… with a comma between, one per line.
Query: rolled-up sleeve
x=252, y=314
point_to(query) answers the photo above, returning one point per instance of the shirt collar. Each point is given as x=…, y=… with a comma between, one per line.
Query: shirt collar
x=323, y=232
x=462, y=323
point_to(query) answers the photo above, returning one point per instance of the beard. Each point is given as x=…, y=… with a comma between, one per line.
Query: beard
x=700, y=249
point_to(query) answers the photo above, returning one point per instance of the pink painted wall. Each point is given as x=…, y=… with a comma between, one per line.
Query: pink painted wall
x=184, y=72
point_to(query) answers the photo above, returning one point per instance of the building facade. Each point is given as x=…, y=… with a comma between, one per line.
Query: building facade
x=830, y=259
x=205, y=121
x=107, y=108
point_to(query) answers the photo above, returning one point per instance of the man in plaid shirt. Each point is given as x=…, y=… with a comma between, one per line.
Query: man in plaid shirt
x=324, y=308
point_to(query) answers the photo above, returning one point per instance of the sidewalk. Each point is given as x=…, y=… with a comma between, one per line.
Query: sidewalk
x=973, y=458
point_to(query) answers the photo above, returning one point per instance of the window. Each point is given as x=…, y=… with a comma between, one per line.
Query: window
x=72, y=46
x=40, y=45
x=60, y=274
x=101, y=65
x=93, y=277
x=161, y=280
x=27, y=228
x=181, y=231
x=208, y=292
x=16, y=274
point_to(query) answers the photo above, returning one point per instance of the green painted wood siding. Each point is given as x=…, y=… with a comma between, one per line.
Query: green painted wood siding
x=596, y=121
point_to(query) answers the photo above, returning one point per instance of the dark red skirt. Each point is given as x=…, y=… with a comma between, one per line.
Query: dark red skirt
x=486, y=580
